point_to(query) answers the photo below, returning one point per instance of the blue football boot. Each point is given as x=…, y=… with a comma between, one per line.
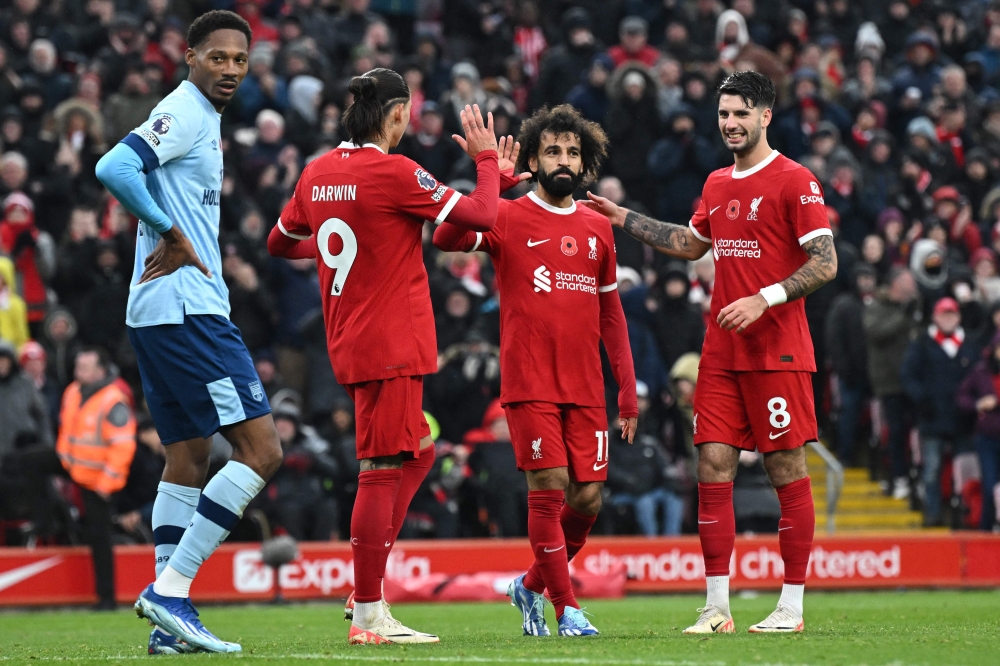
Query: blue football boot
x=575, y=623
x=179, y=618
x=532, y=607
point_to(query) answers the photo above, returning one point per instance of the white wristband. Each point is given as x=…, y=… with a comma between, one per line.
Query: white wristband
x=774, y=295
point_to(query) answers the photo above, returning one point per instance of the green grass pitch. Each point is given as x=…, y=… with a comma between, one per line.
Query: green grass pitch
x=841, y=628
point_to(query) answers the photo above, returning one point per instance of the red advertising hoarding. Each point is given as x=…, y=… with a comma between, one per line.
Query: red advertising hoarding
x=325, y=570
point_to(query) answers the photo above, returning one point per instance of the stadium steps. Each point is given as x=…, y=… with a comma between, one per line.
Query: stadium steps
x=862, y=506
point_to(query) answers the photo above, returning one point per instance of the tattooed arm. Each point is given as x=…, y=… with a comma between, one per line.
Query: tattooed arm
x=820, y=268
x=672, y=239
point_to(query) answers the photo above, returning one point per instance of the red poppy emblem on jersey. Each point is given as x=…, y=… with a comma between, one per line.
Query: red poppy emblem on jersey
x=733, y=210
x=569, y=246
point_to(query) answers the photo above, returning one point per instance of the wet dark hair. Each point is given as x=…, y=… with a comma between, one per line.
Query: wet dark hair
x=375, y=92
x=563, y=119
x=755, y=89
x=217, y=19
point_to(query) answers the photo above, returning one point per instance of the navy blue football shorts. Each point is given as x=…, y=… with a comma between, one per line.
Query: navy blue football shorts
x=197, y=376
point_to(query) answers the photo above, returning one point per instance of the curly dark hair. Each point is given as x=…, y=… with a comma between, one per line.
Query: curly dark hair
x=217, y=19
x=560, y=120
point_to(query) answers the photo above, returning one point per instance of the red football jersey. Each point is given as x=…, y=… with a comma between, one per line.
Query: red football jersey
x=366, y=210
x=551, y=264
x=757, y=221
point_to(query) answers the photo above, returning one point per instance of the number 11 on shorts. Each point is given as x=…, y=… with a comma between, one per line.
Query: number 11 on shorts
x=602, y=445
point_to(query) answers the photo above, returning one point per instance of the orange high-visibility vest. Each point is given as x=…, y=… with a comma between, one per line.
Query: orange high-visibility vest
x=96, y=453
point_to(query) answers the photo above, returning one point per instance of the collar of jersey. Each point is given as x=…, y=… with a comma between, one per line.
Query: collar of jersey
x=549, y=207
x=193, y=89
x=754, y=169
x=347, y=145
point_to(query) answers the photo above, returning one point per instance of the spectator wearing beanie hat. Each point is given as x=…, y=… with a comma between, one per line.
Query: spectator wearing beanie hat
x=32, y=250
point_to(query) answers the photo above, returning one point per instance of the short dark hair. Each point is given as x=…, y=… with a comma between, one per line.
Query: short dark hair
x=217, y=19
x=755, y=89
x=563, y=119
x=103, y=359
x=375, y=92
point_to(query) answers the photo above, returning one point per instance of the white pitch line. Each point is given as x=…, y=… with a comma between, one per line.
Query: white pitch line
x=397, y=657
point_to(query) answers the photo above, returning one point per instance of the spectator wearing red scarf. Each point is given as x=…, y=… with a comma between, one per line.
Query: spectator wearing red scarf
x=951, y=131
x=955, y=210
x=32, y=251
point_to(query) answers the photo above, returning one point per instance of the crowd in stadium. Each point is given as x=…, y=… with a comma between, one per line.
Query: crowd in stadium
x=893, y=105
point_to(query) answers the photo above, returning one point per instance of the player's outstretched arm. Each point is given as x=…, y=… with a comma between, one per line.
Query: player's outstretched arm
x=820, y=268
x=671, y=239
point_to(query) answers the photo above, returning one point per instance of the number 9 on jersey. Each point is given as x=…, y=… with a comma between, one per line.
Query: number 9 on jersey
x=340, y=263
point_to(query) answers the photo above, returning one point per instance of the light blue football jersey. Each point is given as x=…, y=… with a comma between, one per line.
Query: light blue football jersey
x=180, y=146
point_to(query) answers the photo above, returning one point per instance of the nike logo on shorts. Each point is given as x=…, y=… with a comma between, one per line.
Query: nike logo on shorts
x=552, y=550
x=598, y=468
x=710, y=212
x=534, y=243
x=783, y=432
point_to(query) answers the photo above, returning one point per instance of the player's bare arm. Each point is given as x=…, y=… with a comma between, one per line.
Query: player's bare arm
x=671, y=239
x=820, y=268
x=172, y=252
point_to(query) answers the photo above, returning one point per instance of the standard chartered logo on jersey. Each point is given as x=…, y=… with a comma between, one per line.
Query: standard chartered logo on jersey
x=542, y=278
x=741, y=248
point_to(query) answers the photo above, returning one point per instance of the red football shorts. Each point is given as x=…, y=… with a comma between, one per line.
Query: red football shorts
x=389, y=416
x=766, y=411
x=547, y=435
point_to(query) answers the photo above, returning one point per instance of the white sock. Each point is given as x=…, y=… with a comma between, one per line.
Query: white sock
x=718, y=592
x=791, y=597
x=367, y=614
x=171, y=583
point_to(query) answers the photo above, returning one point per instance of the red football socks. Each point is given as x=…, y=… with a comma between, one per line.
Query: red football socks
x=371, y=530
x=795, y=529
x=549, y=545
x=414, y=473
x=576, y=527
x=716, y=526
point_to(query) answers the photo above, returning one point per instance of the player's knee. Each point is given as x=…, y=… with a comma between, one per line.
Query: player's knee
x=555, y=478
x=586, y=499
x=713, y=468
x=784, y=467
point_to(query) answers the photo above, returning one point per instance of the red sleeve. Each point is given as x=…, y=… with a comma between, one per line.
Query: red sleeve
x=806, y=207
x=450, y=238
x=699, y=222
x=609, y=264
x=419, y=194
x=614, y=333
x=478, y=211
x=508, y=181
x=291, y=237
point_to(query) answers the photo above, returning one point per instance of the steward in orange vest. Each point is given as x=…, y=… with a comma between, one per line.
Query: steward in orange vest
x=96, y=434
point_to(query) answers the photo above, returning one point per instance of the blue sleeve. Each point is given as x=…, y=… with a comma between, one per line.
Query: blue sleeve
x=119, y=171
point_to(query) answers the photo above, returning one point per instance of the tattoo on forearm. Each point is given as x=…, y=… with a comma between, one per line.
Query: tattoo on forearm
x=663, y=236
x=820, y=268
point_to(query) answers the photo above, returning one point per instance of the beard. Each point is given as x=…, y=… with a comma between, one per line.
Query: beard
x=753, y=138
x=559, y=187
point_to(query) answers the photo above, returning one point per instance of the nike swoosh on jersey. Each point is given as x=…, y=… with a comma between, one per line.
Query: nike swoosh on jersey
x=552, y=550
x=598, y=469
x=534, y=243
x=784, y=528
x=707, y=522
x=714, y=209
x=783, y=432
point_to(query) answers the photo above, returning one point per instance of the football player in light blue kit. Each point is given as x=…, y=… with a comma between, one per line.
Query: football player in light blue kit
x=197, y=375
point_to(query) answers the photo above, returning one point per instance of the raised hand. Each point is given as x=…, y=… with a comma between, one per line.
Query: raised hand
x=479, y=136
x=508, y=150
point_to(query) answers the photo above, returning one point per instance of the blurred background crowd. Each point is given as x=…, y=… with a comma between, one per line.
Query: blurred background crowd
x=893, y=104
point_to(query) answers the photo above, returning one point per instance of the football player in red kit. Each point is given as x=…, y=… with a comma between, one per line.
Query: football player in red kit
x=555, y=271
x=765, y=222
x=362, y=210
